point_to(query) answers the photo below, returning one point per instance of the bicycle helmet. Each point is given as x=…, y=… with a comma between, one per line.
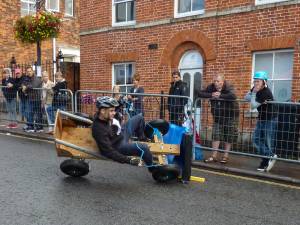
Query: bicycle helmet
x=106, y=102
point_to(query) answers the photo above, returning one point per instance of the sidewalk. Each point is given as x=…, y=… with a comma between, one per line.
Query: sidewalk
x=282, y=171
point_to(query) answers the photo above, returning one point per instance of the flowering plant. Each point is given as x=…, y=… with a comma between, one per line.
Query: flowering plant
x=33, y=28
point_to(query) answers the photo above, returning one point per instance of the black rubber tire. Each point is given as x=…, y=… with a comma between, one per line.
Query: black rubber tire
x=166, y=173
x=75, y=167
x=160, y=124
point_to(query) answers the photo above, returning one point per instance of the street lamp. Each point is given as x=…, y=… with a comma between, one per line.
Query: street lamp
x=60, y=60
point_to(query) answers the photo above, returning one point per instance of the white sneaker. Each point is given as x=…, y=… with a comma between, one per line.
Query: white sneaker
x=271, y=163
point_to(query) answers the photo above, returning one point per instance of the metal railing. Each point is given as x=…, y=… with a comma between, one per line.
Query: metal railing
x=249, y=132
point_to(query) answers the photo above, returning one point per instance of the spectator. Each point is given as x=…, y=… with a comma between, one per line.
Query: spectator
x=23, y=98
x=265, y=130
x=47, y=99
x=176, y=105
x=32, y=88
x=10, y=93
x=60, y=97
x=137, y=100
x=225, y=111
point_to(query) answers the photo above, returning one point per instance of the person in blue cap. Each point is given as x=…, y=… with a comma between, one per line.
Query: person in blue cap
x=264, y=137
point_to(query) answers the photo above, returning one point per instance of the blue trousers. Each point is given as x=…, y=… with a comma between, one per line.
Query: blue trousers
x=265, y=137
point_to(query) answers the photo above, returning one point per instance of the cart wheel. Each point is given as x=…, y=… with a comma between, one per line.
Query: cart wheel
x=166, y=173
x=75, y=167
x=160, y=124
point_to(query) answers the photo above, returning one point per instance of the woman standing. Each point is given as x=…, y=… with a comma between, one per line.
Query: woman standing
x=137, y=100
x=60, y=97
x=10, y=93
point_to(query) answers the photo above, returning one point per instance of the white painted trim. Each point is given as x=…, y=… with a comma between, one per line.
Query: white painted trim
x=191, y=13
x=70, y=15
x=52, y=10
x=263, y=2
x=113, y=72
x=113, y=17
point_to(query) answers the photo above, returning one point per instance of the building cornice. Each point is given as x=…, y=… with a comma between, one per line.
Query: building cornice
x=208, y=14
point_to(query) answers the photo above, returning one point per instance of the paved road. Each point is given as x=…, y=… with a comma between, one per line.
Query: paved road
x=34, y=191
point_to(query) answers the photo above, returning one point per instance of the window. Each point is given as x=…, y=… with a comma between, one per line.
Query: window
x=262, y=2
x=69, y=11
x=27, y=7
x=279, y=66
x=52, y=5
x=188, y=7
x=122, y=75
x=123, y=12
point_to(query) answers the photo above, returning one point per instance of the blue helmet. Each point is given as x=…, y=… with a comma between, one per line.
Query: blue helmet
x=262, y=75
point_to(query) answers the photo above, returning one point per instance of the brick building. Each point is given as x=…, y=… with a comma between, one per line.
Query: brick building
x=68, y=40
x=199, y=37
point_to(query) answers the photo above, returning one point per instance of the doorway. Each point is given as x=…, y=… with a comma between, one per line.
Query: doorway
x=191, y=70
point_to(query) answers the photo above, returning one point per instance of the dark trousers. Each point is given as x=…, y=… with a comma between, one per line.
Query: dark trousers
x=176, y=115
x=137, y=149
x=34, y=116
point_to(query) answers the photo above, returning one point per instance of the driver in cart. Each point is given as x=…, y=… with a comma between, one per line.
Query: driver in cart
x=112, y=141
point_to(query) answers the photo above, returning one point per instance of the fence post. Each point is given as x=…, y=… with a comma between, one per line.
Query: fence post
x=162, y=104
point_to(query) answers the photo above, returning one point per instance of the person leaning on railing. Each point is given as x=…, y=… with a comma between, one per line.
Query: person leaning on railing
x=266, y=125
x=225, y=111
x=47, y=99
x=10, y=93
x=60, y=96
x=33, y=88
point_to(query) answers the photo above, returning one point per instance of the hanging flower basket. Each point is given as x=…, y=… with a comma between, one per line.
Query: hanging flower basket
x=33, y=28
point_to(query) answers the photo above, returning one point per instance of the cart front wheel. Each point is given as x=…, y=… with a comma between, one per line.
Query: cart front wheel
x=75, y=167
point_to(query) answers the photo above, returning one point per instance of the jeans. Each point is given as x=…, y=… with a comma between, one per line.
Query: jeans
x=11, y=109
x=137, y=149
x=49, y=113
x=23, y=108
x=134, y=127
x=34, y=114
x=265, y=137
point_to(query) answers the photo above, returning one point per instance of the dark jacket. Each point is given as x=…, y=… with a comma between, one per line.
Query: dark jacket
x=138, y=103
x=108, y=141
x=32, y=83
x=266, y=111
x=177, y=88
x=9, y=93
x=225, y=107
x=60, y=96
x=19, y=81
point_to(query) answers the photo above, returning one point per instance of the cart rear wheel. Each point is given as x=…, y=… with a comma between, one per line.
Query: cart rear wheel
x=166, y=173
x=75, y=167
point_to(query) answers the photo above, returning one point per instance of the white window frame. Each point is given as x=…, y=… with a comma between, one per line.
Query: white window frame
x=263, y=2
x=52, y=10
x=126, y=23
x=273, y=68
x=28, y=3
x=191, y=13
x=113, y=73
x=67, y=14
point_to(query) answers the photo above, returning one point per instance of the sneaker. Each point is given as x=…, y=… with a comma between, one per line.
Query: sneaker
x=25, y=127
x=263, y=165
x=9, y=126
x=271, y=163
x=14, y=126
x=39, y=130
x=29, y=130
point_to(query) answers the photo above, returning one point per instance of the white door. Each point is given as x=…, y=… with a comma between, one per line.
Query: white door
x=191, y=69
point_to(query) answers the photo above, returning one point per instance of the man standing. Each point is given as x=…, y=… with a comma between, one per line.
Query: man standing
x=34, y=115
x=23, y=99
x=176, y=105
x=265, y=130
x=225, y=111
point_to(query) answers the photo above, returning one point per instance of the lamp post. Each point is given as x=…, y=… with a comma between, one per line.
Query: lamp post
x=13, y=64
x=38, y=5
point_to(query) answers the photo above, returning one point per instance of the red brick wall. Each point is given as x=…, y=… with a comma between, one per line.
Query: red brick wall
x=10, y=11
x=226, y=43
